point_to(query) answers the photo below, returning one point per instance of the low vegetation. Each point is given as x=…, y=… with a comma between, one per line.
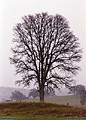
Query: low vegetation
x=40, y=109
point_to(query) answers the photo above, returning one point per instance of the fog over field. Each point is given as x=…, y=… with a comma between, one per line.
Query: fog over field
x=6, y=92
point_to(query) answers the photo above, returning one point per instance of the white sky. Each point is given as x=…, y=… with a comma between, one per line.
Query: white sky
x=11, y=12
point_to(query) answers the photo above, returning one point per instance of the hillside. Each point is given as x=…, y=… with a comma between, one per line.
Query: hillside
x=40, y=109
x=73, y=100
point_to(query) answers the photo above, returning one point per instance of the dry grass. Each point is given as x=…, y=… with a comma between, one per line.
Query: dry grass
x=40, y=109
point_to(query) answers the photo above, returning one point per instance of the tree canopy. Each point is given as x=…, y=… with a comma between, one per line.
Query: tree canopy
x=77, y=89
x=45, y=51
x=16, y=95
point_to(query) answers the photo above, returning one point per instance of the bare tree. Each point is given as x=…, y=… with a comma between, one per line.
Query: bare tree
x=45, y=51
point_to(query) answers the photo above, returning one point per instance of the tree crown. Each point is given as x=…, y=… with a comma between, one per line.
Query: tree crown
x=46, y=51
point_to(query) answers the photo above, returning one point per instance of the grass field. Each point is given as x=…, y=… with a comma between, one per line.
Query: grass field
x=41, y=118
x=32, y=118
x=73, y=100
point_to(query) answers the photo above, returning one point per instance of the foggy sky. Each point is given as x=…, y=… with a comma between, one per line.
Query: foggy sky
x=12, y=11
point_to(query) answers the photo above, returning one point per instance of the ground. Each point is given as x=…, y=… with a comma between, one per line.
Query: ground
x=43, y=111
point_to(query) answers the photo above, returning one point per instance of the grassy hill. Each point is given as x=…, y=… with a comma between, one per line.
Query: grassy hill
x=73, y=100
x=40, y=109
x=54, y=108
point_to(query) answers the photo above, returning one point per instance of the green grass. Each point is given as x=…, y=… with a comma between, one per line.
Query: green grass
x=6, y=117
x=40, y=118
x=32, y=118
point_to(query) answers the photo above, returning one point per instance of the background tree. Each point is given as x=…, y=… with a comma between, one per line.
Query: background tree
x=77, y=90
x=83, y=97
x=45, y=51
x=16, y=95
x=35, y=93
x=49, y=93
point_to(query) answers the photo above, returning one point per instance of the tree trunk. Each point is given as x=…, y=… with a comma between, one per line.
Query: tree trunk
x=41, y=93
